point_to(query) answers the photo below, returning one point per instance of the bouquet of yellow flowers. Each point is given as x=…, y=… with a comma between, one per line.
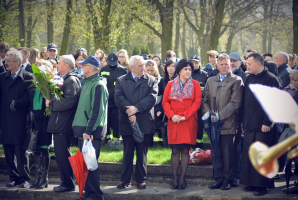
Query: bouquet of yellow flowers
x=46, y=84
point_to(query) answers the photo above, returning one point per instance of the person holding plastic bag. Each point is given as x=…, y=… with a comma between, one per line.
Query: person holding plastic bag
x=91, y=120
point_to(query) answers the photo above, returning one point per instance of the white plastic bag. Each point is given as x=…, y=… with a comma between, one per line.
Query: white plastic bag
x=89, y=155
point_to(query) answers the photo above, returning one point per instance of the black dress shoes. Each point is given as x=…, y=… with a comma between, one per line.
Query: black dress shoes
x=181, y=187
x=123, y=185
x=11, y=184
x=63, y=189
x=235, y=183
x=225, y=186
x=174, y=187
x=216, y=185
x=260, y=191
x=293, y=190
x=249, y=189
x=141, y=185
x=24, y=185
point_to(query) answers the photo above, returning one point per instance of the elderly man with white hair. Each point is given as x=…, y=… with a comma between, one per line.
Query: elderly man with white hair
x=281, y=59
x=15, y=99
x=135, y=96
x=60, y=123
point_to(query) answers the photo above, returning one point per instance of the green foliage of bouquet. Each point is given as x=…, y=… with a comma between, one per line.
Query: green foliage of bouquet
x=50, y=89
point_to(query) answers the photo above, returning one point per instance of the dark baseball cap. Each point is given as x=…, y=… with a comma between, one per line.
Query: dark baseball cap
x=83, y=50
x=52, y=46
x=195, y=58
x=145, y=56
x=91, y=60
x=112, y=59
x=165, y=61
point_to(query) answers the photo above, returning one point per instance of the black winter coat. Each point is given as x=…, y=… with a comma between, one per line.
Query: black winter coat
x=241, y=73
x=283, y=73
x=44, y=137
x=111, y=73
x=142, y=95
x=63, y=111
x=200, y=76
x=253, y=114
x=13, y=124
x=29, y=68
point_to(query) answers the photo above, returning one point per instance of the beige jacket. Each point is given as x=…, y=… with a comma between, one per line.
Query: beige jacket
x=228, y=100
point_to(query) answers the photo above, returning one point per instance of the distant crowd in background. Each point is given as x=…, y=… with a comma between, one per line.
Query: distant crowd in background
x=105, y=94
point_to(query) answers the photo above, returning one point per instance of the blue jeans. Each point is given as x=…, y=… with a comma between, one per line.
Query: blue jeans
x=238, y=144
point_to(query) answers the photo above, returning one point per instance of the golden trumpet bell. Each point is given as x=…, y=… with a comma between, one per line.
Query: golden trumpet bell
x=257, y=155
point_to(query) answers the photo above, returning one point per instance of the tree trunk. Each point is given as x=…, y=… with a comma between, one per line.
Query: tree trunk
x=167, y=28
x=177, y=33
x=50, y=25
x=265, y=27
x=230, y=40
x=295, y=26
x=94, y=20
x=215, y=33
x=2, y=18
x=88, y=40
x=183, y=42
x=29, y=25
x=67, y=25
x=21, y=23
x=106, y=26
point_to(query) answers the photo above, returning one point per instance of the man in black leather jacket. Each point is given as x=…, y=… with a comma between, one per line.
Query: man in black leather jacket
x=60, y=123
x=111, y=72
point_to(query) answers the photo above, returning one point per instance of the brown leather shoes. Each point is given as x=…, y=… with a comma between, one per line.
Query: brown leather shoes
x=141, y=185
x=123, y=185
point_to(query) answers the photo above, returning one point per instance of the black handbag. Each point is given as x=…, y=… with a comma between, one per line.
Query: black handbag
x=31, y=135
x=137, y=134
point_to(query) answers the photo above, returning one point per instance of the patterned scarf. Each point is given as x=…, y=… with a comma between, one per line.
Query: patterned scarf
x=179, y=94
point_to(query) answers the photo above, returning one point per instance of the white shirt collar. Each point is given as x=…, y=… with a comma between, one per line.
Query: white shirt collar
x=25, y=64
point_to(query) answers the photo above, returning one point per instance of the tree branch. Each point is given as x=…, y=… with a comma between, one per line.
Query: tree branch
x=189, y=22
x=149, y=26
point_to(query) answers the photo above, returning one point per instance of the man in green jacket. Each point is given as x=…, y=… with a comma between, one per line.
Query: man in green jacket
x=91, y=119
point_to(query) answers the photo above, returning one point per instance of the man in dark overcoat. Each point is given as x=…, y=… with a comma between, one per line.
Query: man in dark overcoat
x=135, y=96
x=256, y=125
x=15, y=99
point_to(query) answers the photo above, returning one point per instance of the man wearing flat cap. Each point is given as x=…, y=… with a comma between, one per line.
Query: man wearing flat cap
x=91, y=119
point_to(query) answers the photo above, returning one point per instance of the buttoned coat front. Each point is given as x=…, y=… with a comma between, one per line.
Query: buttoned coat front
x=184, y=132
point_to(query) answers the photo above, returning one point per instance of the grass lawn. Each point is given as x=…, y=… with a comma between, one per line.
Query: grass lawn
x=156, y=154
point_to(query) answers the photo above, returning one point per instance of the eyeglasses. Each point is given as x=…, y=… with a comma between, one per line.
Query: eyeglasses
x=121, y=56
x=10, y=61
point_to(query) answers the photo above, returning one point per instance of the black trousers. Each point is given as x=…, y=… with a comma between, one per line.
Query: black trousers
x=223, y=160
x=128, y=154
x=62, y=152
x=92, y=186
x=113, y=121
x=20, y=173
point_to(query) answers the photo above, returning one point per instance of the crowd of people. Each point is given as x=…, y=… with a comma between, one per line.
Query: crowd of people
x=104, y=94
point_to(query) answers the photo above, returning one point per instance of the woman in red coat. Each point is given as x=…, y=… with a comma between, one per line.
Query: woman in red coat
x=181, y=101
